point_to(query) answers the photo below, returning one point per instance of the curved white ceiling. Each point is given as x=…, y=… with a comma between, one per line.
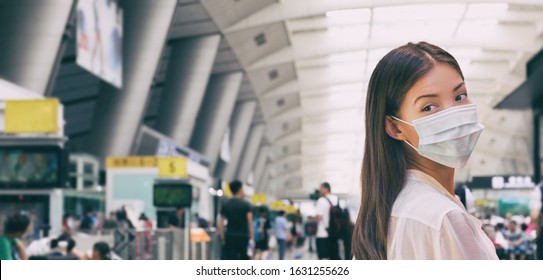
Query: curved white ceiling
x=309, y=62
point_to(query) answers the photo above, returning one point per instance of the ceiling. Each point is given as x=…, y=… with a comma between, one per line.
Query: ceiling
x=309, y=61
x=78, y=89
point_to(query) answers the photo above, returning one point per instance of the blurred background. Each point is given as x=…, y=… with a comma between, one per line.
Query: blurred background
x=112, y=109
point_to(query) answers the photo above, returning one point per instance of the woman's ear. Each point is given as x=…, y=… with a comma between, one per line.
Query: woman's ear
x=393, y=129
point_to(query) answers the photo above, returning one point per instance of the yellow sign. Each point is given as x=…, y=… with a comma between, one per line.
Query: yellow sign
x=259, y=198
x=124, y=162
x=290, y=209
x=199, y=235
x=172, y=167
x=31, y=116
x=277, y=205
x=226, y=189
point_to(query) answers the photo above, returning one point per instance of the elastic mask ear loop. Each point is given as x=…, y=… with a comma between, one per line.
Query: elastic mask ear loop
x=406, y=142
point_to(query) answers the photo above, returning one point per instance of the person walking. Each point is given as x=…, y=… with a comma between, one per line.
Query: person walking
x=281, y=232
x=238, y=239
x=327, y=247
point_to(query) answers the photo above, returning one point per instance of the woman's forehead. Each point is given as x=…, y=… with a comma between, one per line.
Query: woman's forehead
x=440, y=79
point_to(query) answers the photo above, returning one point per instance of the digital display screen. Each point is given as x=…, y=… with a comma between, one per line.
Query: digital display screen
x=29, y=166
x=514, y=206
x=172, y=195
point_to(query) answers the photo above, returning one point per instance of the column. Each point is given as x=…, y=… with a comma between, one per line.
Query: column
x=261, y=162
x=30, y=35
x=119, y=112
x=215, y=114
x=190, y=65
x=240, y=125
x=250, y=152
x=263, y=185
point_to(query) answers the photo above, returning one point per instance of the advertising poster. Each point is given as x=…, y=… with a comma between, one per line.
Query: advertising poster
x=99, y=39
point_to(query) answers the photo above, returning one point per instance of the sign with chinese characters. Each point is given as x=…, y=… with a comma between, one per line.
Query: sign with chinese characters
x=131, y=162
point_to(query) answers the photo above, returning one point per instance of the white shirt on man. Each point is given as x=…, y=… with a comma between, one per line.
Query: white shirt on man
x=323, y=210
x=427, y=222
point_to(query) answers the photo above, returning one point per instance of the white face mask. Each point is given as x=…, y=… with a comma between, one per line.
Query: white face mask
x=448, y=137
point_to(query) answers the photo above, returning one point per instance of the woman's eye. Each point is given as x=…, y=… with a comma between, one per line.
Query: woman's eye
x=461, y=97
x=427, y=108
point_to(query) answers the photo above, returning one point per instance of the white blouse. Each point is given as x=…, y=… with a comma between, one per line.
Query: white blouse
x=427, y=222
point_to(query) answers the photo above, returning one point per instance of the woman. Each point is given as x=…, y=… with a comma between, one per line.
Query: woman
x=420, y=126
x=261, y=226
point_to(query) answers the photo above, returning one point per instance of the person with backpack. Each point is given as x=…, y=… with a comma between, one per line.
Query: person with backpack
x=327, y=229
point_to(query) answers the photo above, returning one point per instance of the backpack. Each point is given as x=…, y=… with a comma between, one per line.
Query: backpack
x=337, y=224
x=311, y=228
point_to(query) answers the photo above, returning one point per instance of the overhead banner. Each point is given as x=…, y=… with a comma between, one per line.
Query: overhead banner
x=100, y=39
x=31, y=116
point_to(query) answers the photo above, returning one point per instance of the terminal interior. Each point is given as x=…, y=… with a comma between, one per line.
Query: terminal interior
x=128, y=113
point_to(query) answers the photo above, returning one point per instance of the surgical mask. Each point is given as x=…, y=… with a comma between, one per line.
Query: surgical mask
x=448, y=137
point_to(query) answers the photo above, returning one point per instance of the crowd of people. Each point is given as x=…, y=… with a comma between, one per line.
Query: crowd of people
x=245, y=231
x=248, y=232
x=59, y=248
x=256, y=232
x=514, y=238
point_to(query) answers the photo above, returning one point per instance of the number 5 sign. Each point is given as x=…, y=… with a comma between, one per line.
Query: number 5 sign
x=172, y=167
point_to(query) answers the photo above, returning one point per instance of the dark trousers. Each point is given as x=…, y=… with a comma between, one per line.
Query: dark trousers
x=327, y=248
x=235, y=248
x=282, y=246
x=347, y=246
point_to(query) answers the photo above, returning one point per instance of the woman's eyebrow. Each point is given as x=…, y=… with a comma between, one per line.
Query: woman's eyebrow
x=432, y=95
x=458, y=86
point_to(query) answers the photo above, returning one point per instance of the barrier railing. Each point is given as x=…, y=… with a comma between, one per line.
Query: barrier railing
x=156, y=244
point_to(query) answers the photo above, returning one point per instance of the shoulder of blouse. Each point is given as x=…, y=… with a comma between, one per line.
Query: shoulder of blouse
x=420, y=202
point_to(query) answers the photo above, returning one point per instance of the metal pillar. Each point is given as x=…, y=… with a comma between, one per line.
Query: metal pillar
x=250, y=152
x=190, y=65
x=30, y=35
x=263, y=185
x=118, y=113
x=215, y=114
x=260, y=163
x=240, y=124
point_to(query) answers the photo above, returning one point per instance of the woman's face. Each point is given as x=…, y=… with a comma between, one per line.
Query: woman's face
x=441, y=88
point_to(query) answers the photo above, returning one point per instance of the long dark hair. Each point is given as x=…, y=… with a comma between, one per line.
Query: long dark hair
x=385, y=162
